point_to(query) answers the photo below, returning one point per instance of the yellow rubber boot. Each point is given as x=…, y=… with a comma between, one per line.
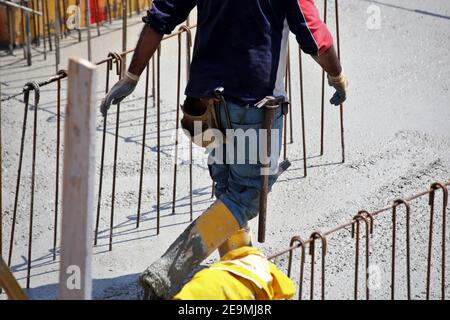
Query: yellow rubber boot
x=241, y=238
x=163, y=278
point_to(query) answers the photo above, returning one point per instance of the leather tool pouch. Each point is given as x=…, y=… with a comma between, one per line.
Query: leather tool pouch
x=198, y=113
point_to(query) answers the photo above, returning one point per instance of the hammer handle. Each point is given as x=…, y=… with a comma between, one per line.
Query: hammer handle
x=265, y=167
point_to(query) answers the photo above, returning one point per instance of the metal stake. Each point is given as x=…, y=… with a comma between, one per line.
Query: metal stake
x=116, y=142
x=175, y=169
x=19, y=173
x=341, y=107
x=408, y=254
x=33, y=176
x=302, y=108
x=58, y=143
x=46, y=14
x=158, y=121
x=28, y=37
x=1, y=179
x=144, y=133
x=314, y=236
x=88, y=28
x=97, y=16
x=322, y=126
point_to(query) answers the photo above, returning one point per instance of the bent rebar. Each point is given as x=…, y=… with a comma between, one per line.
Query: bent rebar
x=119, y=65
x=357, y=219
x=397, y=203
x=435, y=186
x=301, y=244
x=61, y=73
x=26, y=91
x=317, y=235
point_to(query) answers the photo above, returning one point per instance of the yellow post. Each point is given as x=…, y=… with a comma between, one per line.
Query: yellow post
x=9, y=283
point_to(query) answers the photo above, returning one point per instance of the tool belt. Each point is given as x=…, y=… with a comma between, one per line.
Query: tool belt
x=199, y=114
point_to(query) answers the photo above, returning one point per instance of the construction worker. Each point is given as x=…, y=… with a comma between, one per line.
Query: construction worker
x=241, y=47
x=242, y=274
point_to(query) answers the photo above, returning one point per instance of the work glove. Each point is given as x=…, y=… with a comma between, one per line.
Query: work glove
x=340, y=83
x=122, y=89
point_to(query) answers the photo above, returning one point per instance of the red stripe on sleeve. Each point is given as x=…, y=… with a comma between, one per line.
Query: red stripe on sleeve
x=317, y=28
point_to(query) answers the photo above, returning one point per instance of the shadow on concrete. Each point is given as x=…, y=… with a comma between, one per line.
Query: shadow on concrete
x=121, y=288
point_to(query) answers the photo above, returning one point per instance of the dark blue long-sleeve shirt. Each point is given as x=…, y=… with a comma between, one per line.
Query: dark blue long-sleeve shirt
x=241, y=44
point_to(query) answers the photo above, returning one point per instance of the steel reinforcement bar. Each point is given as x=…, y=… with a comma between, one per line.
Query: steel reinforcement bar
x=368, y=220
x=112, y=59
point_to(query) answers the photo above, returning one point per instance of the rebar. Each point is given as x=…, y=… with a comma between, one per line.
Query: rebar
x=289, y=77
x=11, y=30
x=322, y=123
x=1, y=179
x=153, y=82
x=22, y=32
x=124, y=53
x=116, y=60
x=175, y=168
x=38, y=21
x=313, y=237
x=144, y=133
x=368, y=219
x=34, y=25
x=191, y=211
x=78, y=27
x=61, y=22
x=302, y=110
x=285, y=124
x=58, y=144
x=358, y=218
x=394, y=236
x=187, y=30
x=116, y=143
x=19, y=174
x=28, y=37
x=288, y=90
x=301, y=245
x=88, y=28
x=188, y=74
x=57, y=34
x=46, y=15
x=108, y=10
x=41, y=8
x=397, y=203
x=435, y=186
x=32, y=86
x=341, y=107
x=124, y=31
x=158, y=121
x=97, y=16
x=66, y=30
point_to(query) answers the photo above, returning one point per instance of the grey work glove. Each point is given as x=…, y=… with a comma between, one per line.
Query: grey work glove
x=340, y=83
x=122, y=89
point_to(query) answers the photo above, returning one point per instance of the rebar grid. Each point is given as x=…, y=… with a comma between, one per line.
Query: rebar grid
x=368, y=219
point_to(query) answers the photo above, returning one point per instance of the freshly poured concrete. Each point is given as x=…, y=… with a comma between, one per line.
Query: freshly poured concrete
x=397, y=125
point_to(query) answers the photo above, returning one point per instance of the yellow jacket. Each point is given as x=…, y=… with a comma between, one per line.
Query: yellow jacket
x=242, y=274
